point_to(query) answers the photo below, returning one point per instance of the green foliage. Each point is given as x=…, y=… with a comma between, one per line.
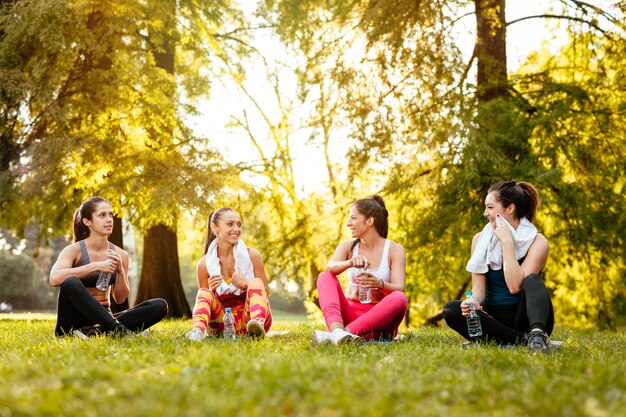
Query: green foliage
x=578, y=135
x=90, y=104
x=95, y=112
x=428, y=374
x=23, y=283
x=392, y=76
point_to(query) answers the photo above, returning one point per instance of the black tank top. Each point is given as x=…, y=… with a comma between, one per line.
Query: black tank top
x=90, y=280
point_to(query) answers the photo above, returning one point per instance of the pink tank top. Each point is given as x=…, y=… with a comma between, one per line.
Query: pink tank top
x=382, y=271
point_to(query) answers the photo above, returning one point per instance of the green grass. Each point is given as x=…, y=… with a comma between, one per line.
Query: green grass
x=427, y=374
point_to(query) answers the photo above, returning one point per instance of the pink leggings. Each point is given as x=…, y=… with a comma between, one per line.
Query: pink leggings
x=369, y=321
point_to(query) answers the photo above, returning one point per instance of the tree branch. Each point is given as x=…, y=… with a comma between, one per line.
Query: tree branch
x=556, y=16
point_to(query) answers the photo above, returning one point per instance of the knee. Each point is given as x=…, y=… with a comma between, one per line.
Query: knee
x=325, y=277
x=204, y=293
x=256, y=284
x=451, y=309
x=532, y=280
x=71, y=284
x=399, y=299
x=161, y=307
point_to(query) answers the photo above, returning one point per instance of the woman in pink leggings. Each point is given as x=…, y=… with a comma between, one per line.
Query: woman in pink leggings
x=373, y=262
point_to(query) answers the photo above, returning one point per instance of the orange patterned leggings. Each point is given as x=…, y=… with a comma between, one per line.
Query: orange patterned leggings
x=208, y=313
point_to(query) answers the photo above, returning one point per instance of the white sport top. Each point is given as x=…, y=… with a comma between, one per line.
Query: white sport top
x=382, y=271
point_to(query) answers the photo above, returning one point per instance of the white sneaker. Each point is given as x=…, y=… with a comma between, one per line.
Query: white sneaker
x=341, y=337
x=195, y=334
x=80, y=334
x=255, y=328
x=322, y=337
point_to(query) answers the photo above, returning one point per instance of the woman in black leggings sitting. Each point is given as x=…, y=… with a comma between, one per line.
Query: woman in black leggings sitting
x=84, y=309
x=507, y=257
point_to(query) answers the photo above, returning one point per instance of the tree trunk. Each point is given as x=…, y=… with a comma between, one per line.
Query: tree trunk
x=117, y=238
x=160, y=272
x=491, y=49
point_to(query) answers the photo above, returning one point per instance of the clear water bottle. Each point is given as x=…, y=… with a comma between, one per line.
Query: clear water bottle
x=229, y=325
x=103, y=281
x=365, y=294
x=474, y=328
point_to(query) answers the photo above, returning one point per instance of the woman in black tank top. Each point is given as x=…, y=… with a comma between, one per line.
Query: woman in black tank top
x=83, y=309
x=514, y=305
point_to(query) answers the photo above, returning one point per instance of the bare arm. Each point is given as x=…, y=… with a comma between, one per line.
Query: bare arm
x=121, y=289
x=536, y=257
x=342, y=260
x=259, y=267
x=535, y=260
x=202, y=273
x=64, y=268
x=479, y=283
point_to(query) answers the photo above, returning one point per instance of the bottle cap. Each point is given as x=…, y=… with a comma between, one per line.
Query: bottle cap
x=228, y=309
x=468, y=293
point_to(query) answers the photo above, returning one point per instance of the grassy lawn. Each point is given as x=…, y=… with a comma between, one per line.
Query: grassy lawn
x=427, y=374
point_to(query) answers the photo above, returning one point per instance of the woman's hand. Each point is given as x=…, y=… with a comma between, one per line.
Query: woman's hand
x=502, y=231
x=238, y=279
x=215, y=281
x=367, y=280
x=465, y=307
x=117, y=260
x=359, y=261
x=108, y=266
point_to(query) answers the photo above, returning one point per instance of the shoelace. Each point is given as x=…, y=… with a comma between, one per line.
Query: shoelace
x=537, y=339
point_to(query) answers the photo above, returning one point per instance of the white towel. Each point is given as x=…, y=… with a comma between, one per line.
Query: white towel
x=242, y=260
x=488, y=251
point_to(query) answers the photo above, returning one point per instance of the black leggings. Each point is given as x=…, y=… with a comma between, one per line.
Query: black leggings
x=507, y=324
x=77, y=308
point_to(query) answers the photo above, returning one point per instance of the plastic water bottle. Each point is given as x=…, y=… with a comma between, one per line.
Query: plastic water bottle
x=103, y=281
x=474, y=328
x=365, y=294
x=229, y=325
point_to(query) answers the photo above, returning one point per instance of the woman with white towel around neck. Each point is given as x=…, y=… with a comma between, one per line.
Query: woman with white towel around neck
x=506, y=262
x=230, y=274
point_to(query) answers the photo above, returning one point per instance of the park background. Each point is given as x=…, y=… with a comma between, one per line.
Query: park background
x=289, y=110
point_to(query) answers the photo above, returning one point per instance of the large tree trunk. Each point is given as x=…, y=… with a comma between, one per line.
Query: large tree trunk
x=492, y=82
x=491, y=49
x=117, y=238
x=160, y=272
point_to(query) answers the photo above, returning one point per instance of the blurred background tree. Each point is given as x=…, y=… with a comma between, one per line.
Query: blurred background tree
x=97, y=98
x=440, y=130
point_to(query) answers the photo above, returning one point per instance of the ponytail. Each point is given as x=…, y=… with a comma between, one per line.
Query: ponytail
x=523, y=194
x=374, y=206
x=85, y=211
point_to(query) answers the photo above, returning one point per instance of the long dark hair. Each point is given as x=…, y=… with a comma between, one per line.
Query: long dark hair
x=522, y=194
x=85, y=211
x=373, y=206
x=213, y=218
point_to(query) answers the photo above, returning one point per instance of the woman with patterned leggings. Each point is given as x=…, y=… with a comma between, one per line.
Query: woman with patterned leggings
x=230, y=274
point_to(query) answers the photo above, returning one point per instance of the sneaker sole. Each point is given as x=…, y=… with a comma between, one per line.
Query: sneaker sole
x=321, y=340
x=80, y=335
x=255, y=329
x=350, y=340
